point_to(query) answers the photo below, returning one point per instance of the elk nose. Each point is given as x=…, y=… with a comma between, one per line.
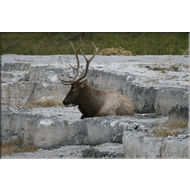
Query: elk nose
x=64, y=102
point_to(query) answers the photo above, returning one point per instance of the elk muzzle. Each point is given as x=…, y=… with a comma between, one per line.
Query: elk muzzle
x=65, y=103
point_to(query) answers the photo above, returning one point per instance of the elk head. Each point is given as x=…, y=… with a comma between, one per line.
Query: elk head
x=77, y=85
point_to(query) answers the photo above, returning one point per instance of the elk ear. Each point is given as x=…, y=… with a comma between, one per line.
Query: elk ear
x=83, y=83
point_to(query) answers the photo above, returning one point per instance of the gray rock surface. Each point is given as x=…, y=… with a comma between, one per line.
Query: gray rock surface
x=106, y=150
x=179, y=113
x=47, y=127
x=157, y=85
x=140, y=145
x=150, y=89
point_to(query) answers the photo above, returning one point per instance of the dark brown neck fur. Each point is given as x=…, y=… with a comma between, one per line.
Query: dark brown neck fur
x=90, y=101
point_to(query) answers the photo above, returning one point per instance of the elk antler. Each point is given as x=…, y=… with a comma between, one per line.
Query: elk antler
x=77, y=69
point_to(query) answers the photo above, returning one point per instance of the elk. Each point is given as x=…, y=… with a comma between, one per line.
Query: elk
x=92, y=102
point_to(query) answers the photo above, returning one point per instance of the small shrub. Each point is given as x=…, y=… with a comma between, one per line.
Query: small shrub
x=163, y=70
x=173, y=68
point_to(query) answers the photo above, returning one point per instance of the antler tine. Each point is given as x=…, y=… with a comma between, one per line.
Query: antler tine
x=77, y=58
x=65, y=82
x=68, y=75
x=96, y=49
x=77, y=69
x=87, y=62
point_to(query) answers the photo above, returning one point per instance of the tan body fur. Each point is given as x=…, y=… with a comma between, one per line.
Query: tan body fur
x=116, y=104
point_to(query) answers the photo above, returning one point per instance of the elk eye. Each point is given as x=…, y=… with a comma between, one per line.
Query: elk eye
x=73, y=91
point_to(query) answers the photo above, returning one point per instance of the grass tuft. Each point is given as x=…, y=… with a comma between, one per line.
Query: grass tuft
x=185, y=52
x=164, y=70
x=9, y=147
x=47, y=102
x=171, y=129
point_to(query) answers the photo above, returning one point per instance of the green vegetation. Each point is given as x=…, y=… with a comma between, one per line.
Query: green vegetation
x=58, y=43
x=165, y=70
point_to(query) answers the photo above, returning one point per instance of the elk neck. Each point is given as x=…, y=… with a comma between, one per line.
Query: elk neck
x=90, y=101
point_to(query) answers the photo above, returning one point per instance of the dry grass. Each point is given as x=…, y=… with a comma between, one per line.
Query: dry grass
x=47, y=102
x=171, y=128
x=151, y=80
x=9, y=147
x=186, y=66
x=115, y=51
x=185, y=52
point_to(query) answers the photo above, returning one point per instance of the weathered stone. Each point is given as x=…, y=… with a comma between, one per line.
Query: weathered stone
x=95, y=153
x=168, y=97
x=140, y=145
x=17, y=94
x=25, y=78
x=106, y=150
x=16, y=66
x=48, y=133
x=137, y=145
x=45, y=127
x=12, y=125
x=176, y=148
x=179, y=113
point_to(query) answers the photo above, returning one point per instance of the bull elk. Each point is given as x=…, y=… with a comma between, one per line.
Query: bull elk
x=92, y=102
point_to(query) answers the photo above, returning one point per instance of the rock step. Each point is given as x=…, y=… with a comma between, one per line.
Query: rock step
x=48, y=59
x=139, y=145
x=145, y=97
x=30, y=78
x=148, y=92
x=106, y=150
x=179, y=113
x=15, y=66
x=24, y=93
x=58, y=128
